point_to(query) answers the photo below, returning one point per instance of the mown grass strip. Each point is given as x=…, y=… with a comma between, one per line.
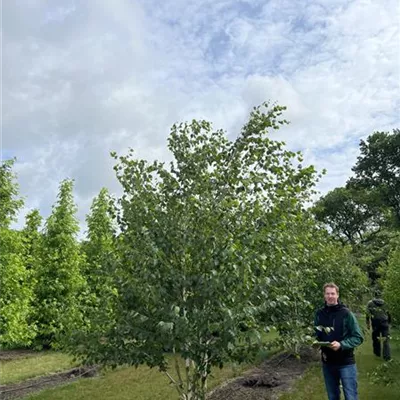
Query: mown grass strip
x=122, y=383
x=140, y=383
x=31, y=367
x=128, y=383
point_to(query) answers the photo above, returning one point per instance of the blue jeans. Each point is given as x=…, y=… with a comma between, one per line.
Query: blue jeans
x=334, y=374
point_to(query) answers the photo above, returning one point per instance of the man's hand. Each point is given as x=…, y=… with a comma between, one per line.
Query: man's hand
x=335, y=346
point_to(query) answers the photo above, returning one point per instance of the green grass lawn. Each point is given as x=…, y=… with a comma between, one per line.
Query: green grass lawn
x=140, y=383
x=123, y=383
x=144, y=383
x=311, y=386
x=33, y=366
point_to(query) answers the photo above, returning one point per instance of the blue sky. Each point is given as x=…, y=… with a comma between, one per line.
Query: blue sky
x=83, y=78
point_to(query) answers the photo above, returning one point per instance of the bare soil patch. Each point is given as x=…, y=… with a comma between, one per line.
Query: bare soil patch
x=9, y=355
x=269, y=380
x=21, y=389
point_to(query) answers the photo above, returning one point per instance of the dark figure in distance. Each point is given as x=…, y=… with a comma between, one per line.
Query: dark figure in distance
x=378, y=316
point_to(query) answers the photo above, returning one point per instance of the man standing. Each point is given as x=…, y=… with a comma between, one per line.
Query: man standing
x=336, y=325
x=380, y=318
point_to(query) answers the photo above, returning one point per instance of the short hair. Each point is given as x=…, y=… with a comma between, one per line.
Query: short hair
x=331, y=285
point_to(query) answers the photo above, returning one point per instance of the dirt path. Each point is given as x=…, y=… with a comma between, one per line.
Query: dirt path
x=268, y=381
x=21, y=389
x=10, y=355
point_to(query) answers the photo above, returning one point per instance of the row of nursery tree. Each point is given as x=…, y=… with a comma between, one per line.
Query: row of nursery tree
x=200, y=256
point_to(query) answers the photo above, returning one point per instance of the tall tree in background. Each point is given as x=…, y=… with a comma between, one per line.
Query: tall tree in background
x=100, y=239
x=33, y=240
x=10, y=203
x=378, y=168
x=15, y=283
x=349, y=214
x=365, y=213
x=60, y=280
x=391, y=282
x=357, y=218
x=99, y=249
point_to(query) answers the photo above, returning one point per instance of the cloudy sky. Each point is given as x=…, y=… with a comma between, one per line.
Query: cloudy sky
x=82, y=78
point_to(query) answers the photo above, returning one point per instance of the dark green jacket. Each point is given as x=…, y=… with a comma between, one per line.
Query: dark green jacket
x=377, y=313
x=338, y=323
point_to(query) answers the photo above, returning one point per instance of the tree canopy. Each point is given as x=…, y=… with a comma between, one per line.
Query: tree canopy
x=209, y=247
x=378, y=168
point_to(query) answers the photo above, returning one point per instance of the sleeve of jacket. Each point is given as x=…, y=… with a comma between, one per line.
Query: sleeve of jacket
x=353, y=337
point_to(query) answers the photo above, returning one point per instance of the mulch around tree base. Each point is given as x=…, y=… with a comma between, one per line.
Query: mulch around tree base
x=21, y=389
x=269, y=380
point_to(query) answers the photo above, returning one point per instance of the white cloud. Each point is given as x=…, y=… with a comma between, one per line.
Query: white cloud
x=83, y=78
